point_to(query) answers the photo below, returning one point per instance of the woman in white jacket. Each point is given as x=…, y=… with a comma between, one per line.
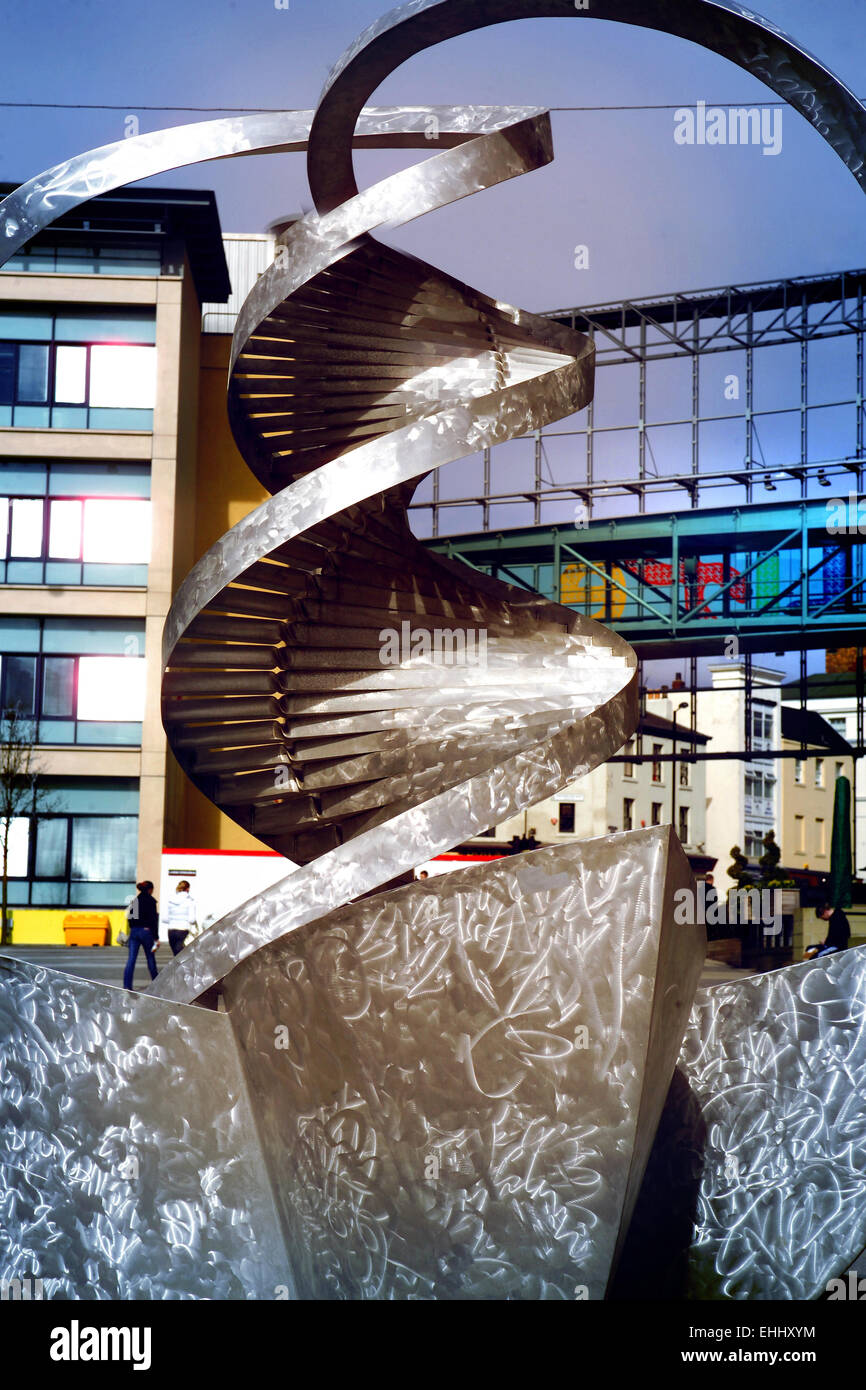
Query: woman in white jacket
x=180, y=919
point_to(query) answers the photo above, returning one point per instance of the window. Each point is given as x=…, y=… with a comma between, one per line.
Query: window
x=64, y=534
x=566, y=817
x=800, y=834
x=839, y=771
x=683, y=827
x=657, y=767
x=819, y=772
x=762, y=723
x=628, y=765
x=754, y=843
x=80, y=853
x=81, y=369
x=685, y=779
x=86, y=260
x=656, y=813
x=80, y=680
x=799, y=771
x=820, y=836
x=628, y=813
x=840, y=724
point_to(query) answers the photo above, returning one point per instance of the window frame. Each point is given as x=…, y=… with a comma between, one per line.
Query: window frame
x=47, y=499
x=80, y=726
x=50, y=404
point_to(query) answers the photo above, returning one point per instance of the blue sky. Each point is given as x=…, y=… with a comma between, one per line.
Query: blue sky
x=656, y=216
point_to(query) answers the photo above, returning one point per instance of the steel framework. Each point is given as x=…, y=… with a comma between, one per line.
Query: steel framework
x=694, y=327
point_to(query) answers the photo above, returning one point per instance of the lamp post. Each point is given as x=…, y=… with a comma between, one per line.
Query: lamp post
x=684, y=704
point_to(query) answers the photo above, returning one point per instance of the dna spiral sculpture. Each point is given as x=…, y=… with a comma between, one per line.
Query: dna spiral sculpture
x=450, y=1089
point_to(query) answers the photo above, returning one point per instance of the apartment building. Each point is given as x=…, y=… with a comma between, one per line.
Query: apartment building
x=833, y=696
x=100, y=346
x=808, y=787
x=639, y=791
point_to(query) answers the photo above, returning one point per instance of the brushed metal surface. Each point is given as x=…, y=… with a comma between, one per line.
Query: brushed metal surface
x=777, y=1065
x=459, y=1081
x=129, y=1162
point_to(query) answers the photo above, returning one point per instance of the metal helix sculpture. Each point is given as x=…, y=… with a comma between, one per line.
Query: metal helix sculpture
x=355, y=371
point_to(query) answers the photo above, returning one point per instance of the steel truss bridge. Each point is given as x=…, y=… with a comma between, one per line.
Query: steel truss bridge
x=781, y=574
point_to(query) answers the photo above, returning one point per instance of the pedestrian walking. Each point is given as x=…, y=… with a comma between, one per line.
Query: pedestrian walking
x=143, y=921
x=180, y=918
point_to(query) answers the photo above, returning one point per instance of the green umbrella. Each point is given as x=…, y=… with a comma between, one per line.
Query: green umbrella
x=839, y=885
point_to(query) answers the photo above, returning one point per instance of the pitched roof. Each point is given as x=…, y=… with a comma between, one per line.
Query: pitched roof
x=807, y=726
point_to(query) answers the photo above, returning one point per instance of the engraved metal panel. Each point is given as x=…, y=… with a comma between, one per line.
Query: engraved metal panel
x=129, y=1162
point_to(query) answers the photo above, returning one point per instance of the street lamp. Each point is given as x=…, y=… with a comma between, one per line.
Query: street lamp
x=684, y=704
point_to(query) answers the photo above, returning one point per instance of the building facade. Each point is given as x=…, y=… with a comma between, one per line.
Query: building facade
x=100, y=336
x=628, y=794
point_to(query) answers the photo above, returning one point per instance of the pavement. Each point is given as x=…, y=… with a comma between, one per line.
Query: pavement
x=105, y=964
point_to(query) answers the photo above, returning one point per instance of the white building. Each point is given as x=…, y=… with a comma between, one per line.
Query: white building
x=743, y=798
x=639, y=791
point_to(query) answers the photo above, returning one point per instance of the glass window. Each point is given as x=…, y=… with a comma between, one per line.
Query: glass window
x=566, y=817
x=820, y=837
x=800, y=833
x=64, y=541
x=33, y=372
x=684, y=774
x=126, y=326
x=51, y=847
x=70, y=375
x=123, y=377
x=103, y=848
x=628, y=813
x=683, y=828
x=100, y=637
x=117, y=532
x=95, y=480
x=19, y=683
x=819, y=772
x=25, y=326
x=23, y=479
x=656, y=813
x=799, y=771
x=657, y=767
x=19, y=842
x=58, y=695
x=628, y=765
x=111, y=688
x=839, y=770
x=8, y=358
x=26, y=528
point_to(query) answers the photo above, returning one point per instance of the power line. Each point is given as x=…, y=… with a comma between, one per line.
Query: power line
x=276, y=110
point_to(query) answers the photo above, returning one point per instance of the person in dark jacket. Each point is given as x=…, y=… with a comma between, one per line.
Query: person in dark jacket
x=143, y=931
x=838, y=930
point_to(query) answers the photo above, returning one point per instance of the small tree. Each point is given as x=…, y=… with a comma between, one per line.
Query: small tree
x=20, y=793
x=769, y=860
x=771, y=875
x=737, y=869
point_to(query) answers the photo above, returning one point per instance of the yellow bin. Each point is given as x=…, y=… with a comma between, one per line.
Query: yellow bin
x=87, y=929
